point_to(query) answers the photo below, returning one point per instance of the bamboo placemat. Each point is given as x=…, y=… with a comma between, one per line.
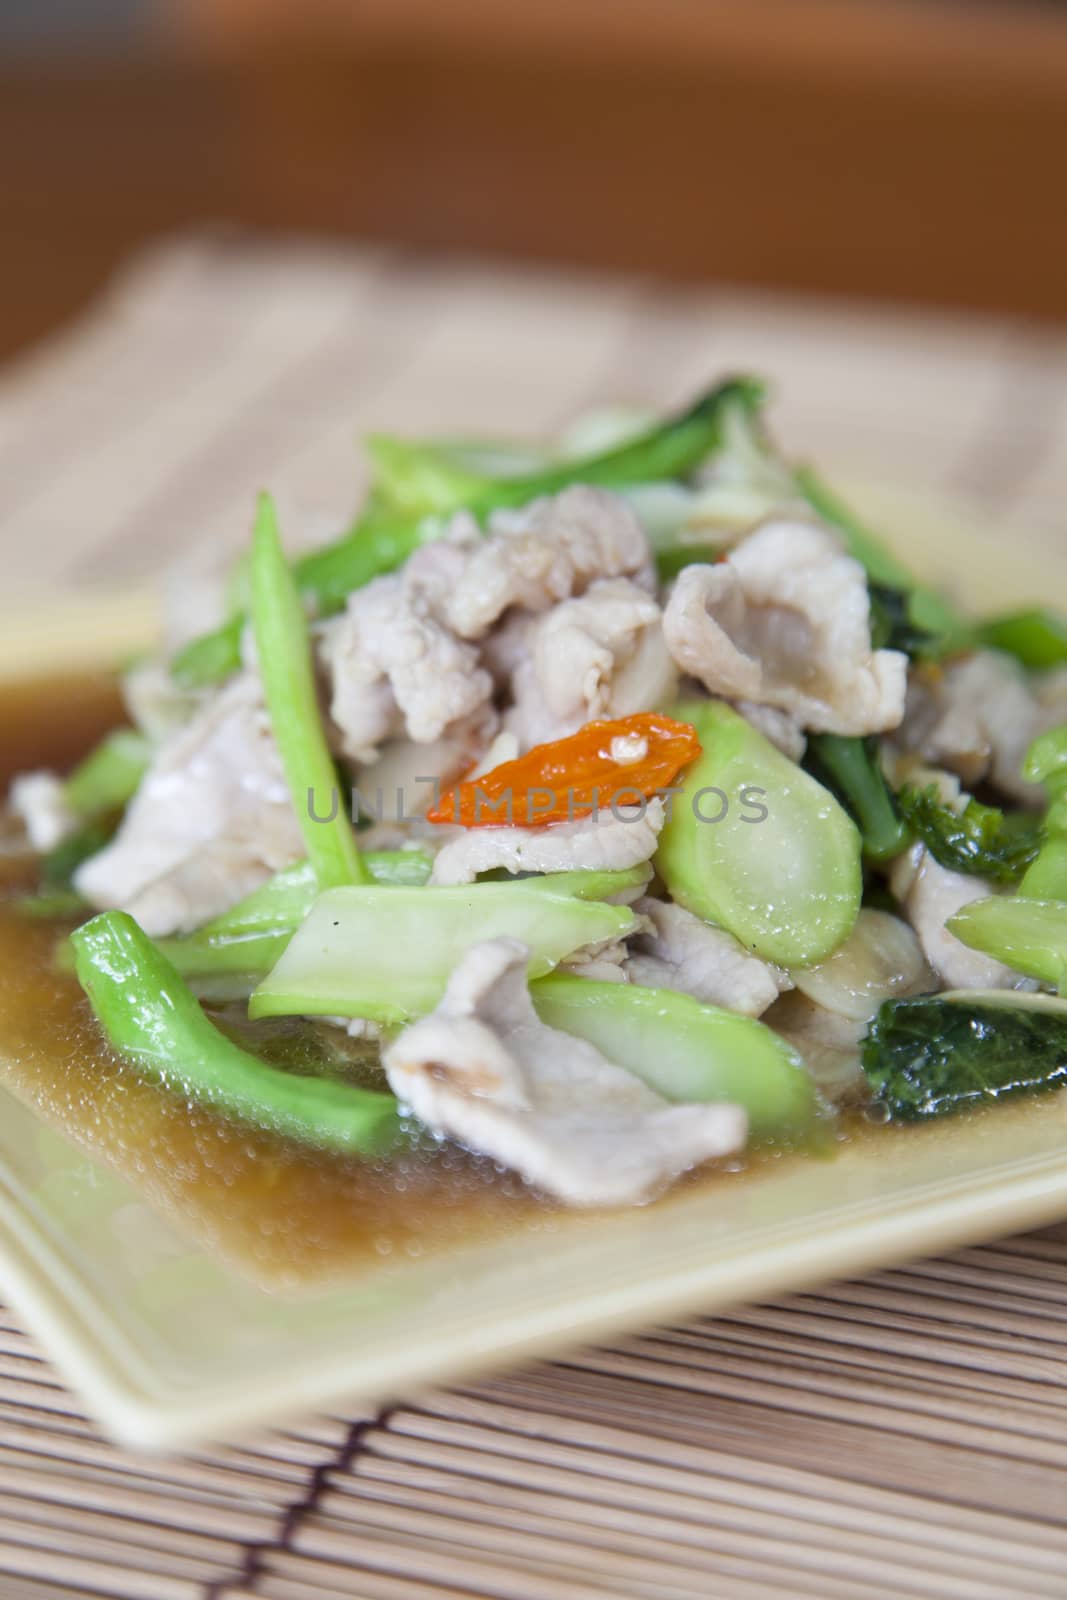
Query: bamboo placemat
x=905, y=1435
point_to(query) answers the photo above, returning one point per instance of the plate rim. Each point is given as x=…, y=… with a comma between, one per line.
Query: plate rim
x=100, y=1362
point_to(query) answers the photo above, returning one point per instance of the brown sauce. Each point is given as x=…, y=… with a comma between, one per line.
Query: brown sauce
x=287, y=1215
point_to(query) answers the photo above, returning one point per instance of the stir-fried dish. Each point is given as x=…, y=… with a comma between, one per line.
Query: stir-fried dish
x=625, y=803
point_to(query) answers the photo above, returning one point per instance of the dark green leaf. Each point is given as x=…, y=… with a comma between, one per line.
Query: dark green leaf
x=981, y=840
x=936, y=1054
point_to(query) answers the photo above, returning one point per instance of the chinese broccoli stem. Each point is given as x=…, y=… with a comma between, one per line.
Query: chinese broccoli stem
x=150, y=1017
x=284, y=648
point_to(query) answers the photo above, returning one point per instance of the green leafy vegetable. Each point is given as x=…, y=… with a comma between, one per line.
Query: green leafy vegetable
x=917, y=622
x=786, y=883
x=1046, y=763
x=150, y=1017
x=941, y=1053
x=416, y=478
x=850, y=769
x=108, y=777
x=684, y=1050
x=211, y=657
x=1028, y=935
x=284, y=650
x=1037, y=638
x=980, y=840
x=386, y=954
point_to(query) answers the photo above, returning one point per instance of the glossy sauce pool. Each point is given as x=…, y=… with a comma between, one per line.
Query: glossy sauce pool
x=285, y=1214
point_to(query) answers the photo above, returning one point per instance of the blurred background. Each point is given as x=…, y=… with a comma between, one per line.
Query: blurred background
x=910, y=149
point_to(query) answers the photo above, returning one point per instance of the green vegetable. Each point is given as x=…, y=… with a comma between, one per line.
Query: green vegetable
x=851, y=770
x=1037, y=638
x=386, y=954
x=1028, y=935
x=149, y=1016
x=236, y=950
x=51, y=904
x=286, y=900
x=380, y=542
x=684, y=1050
x=284, y=650
x=415, y=478
x=940, y=1053
x=980, y=840
x=917, y=622
x=108, y=777
x=226, y=968
x=670, y=562
x=586, y=884
x=1046, y=763
x=211, y=657
x=787, y=885
x=229, y=956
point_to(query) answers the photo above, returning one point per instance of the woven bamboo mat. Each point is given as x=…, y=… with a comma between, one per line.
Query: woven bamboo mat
x=902, y=1436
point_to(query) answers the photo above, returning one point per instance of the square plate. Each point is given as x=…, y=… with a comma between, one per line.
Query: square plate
x=170, y=1348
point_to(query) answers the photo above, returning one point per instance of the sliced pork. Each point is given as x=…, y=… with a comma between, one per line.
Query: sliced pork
x=483, y=1069
x=784, y=621
x=211, y=821
x=608, y=842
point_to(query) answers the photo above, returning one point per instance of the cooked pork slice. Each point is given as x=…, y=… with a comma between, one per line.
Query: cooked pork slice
x=608, y=842
x=485, y=1070
x=211, y=821
x=784, y=621
x=607, y=965
x=600, y=655
x=680, y=951
x=828, y=1042
x=783, y=730
x=507, y=646
x=977, y=716
x=156, y=704
x=546, y=552
x=880, y=960
x=405, y=779
x=1050, y=689
x=396, y=668
x=39, y=801
x=930, y=894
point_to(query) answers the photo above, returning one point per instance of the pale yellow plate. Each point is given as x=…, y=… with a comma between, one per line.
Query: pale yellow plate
x=169, y=1348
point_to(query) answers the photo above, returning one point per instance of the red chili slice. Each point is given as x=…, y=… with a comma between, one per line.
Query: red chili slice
x=573, y=777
